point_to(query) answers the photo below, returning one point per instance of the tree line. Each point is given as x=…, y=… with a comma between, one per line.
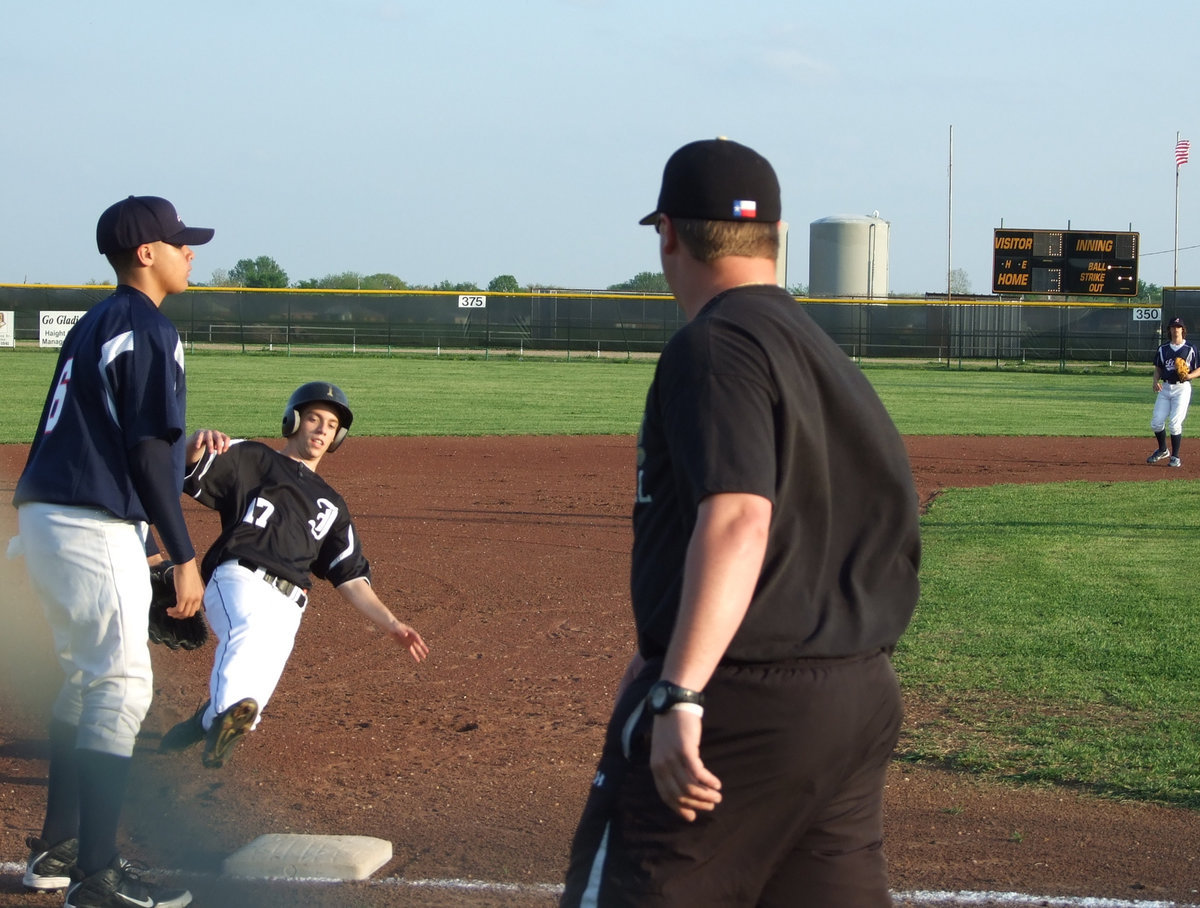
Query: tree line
x=264, y=271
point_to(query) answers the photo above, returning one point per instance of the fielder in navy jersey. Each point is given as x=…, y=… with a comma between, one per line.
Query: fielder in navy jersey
x=280, y=522
x=1173, y=392
x=107, y=461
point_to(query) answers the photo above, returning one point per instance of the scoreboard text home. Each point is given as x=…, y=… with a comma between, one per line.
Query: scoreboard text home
x=1083, y=262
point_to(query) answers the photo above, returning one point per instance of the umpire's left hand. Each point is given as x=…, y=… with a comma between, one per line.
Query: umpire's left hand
x=679, y=775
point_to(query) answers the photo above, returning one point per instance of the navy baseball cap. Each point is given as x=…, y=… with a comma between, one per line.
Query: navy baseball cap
x=1176, y=322
x=145, y=219
x=718, y=180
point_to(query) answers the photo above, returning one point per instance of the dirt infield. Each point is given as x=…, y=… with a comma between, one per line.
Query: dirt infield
x=510, y=555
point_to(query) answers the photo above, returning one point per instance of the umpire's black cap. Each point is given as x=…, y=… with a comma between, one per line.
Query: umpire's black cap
x=145, y=219
x=718, y=180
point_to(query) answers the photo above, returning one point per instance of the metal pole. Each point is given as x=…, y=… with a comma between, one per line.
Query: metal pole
x=950, y=214
x=871, y=261
x=1175, y=273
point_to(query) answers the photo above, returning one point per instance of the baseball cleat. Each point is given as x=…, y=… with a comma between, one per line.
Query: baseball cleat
x=184, y=734
x=49, y=867
x=119, y=886
x=227, y=727
x=1158, y=455
x=1174, y=462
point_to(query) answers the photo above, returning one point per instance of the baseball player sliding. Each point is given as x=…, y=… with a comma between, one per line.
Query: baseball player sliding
x=280, y=522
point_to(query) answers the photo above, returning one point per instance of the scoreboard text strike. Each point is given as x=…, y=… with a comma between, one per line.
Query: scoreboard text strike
x=1087, y=263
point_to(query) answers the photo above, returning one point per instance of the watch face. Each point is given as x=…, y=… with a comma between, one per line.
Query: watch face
x=658, y=698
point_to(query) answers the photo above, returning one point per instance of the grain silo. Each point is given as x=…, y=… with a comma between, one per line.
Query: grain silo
x=848, y=256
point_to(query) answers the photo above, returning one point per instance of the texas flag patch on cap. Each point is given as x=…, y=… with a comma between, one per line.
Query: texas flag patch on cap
x=745, y=208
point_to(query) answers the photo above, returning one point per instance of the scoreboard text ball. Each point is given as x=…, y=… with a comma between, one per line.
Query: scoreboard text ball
x=1083, y=262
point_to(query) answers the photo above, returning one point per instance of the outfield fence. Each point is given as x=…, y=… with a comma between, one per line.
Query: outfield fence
x=604, y=323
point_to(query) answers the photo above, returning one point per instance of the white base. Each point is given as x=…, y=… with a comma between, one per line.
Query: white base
x=309, y=857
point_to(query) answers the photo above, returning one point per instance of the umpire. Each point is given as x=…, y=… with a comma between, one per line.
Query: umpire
x=774, y=566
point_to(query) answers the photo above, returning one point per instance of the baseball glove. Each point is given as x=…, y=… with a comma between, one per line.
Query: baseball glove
x=1181, y=368
x=174, y=633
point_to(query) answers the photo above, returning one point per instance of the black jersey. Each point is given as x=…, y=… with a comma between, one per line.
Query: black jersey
x=752, y=396
x=277, y=514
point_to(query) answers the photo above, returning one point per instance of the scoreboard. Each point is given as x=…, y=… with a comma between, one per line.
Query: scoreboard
x=1083, y=262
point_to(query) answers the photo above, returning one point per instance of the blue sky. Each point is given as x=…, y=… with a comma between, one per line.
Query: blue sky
x=457, y=140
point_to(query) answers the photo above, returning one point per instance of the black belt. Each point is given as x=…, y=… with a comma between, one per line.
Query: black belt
x=289, y=589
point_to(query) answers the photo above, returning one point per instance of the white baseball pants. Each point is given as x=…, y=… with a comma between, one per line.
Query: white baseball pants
x=90, y=571
x=255, y=626
x=1171, y=406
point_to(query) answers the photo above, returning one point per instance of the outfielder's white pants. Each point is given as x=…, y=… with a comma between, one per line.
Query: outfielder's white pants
x=90, y=571
x=1171, y=406
x=255, y=626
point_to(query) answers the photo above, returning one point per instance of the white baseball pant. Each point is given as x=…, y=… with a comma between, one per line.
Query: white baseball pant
x=1171, y=406
x=255, y=626
x=90, y=571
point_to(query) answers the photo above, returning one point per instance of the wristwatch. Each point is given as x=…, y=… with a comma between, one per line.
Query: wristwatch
x=663, y=695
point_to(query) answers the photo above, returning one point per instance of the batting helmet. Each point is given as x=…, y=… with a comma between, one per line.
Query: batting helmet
x=318, y=392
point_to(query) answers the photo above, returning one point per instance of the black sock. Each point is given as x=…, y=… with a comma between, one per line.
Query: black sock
x=62, y=786
x=1176, y=441
x=103, y=779
x=1162, y=440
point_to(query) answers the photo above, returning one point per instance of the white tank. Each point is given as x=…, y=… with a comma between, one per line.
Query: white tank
x=848, y=256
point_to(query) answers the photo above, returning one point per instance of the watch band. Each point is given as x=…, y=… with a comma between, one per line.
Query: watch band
x=663, y=695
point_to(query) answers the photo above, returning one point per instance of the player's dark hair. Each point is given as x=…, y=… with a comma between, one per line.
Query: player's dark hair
x=122, y=260
x=708, y=241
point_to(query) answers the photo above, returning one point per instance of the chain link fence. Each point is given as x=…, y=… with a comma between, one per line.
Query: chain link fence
x=604, y=323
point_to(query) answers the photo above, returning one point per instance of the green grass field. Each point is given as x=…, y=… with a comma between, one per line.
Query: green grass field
x=1055, y=641
x=427, y=395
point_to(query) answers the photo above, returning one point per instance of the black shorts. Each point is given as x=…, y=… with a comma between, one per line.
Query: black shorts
x=801, y=750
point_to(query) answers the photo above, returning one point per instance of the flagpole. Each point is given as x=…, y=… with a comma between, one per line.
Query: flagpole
x=1175, y=274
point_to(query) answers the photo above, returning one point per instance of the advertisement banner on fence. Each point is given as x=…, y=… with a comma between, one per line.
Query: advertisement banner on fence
x=53, y=326
x=7, y=338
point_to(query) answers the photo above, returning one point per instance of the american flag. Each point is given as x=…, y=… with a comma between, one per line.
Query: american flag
x=1181, y=151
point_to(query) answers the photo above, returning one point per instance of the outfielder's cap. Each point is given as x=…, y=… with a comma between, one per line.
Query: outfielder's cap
x=718, y=180
x=145, y=219
x=1176, y=322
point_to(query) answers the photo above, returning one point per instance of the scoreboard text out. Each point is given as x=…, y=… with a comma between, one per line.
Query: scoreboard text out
x=1083, y=262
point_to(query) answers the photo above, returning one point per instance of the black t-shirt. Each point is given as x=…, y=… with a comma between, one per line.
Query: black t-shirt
x=277, y=514
x=752, y=396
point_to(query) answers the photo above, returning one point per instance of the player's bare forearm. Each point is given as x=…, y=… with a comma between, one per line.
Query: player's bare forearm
x=189, y=590
x=723, y=562
x=359, y=593
x=724, y=558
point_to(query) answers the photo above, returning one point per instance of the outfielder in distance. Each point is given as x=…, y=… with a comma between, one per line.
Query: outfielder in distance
x=1175, y=362
x=280, y=522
